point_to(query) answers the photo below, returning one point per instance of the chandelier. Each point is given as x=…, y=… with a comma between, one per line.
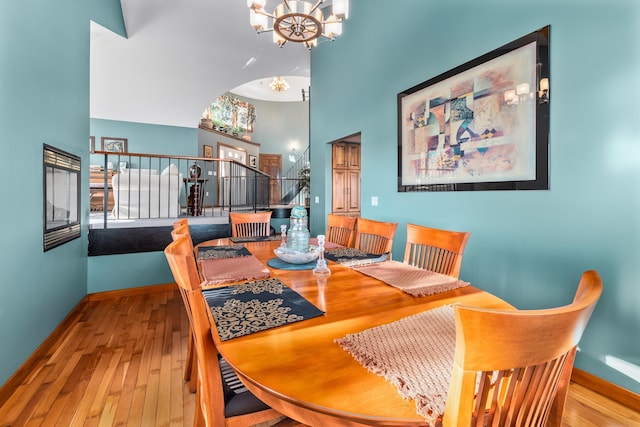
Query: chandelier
x=279, y=84
x=298, y=21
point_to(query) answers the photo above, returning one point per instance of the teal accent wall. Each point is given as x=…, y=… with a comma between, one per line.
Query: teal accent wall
x=112, y=272
x=528, y=247
x=280, y=126
x=108, y=13
x=146, y=138
x=44, y=82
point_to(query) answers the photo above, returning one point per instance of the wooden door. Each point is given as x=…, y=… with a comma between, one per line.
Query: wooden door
x=271, y=164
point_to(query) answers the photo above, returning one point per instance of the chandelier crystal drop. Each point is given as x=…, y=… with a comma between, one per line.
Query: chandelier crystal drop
x=279, y=84
x=298, y=21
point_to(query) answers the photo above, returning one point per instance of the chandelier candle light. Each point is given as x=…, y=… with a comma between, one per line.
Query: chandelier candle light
x=299, y=21
x=278, y=84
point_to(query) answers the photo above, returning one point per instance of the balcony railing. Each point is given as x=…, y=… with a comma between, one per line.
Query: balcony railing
x=147, y=186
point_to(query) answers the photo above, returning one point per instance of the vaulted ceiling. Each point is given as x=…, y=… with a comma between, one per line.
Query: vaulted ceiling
x=180, y=56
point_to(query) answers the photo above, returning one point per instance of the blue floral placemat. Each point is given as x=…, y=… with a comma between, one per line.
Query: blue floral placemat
x=224, y=251
x=282, y=265
x=351, y=257
x=255, y=306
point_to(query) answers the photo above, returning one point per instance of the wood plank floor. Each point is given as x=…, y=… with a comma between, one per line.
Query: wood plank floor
x=121, y=364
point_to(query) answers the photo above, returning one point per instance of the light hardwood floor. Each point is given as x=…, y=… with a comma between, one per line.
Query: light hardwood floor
x=120, y=363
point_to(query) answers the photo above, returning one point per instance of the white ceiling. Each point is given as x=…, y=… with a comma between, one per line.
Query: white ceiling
x=181, y=55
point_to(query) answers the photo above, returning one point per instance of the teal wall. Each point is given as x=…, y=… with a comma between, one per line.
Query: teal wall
x=528, y=247
x=110, y=272
x=108, y=14
x=280, y=126
x=44, y=82
x=146, y=138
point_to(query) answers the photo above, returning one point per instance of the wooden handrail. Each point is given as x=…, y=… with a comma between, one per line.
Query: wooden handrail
x=167, y=156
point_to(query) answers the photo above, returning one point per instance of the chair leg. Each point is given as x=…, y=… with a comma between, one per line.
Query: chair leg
x=199, y=418
x=190, y=358
x=191, y=366
x=193, y=382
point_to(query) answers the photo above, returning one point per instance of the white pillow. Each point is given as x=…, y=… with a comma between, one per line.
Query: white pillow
x=171, y=169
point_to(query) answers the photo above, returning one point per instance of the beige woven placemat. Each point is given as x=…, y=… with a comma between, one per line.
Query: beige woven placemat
x=412, y=280
x=225, y=270
x=415, y=354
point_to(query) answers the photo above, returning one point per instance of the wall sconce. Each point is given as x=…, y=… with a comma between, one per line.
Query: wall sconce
x=543, y=93
x=292, y=155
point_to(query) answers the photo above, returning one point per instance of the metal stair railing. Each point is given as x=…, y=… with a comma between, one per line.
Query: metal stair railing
x=292, y=188
x=226, y=185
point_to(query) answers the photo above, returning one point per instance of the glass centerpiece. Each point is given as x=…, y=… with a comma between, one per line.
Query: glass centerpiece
x=298, y=238
x=297, y=249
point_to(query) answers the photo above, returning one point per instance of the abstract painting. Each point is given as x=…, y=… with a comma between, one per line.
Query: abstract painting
x=480, y=126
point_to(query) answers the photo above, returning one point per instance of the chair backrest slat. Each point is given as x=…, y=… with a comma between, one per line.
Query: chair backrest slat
x=436, y=250
x=250, y=224
x=341, y=230
x=375, y=237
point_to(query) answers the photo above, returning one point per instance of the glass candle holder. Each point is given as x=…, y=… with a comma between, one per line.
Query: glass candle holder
x=321, y=268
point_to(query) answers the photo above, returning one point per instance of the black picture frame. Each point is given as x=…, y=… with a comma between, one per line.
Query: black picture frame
x=481, y=126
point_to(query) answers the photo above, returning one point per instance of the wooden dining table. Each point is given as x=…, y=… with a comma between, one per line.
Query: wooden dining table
x=299, y=369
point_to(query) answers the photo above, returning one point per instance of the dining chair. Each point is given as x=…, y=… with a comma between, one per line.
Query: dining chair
x=375, y=237
x=512, y=367
x=182, y=229
x=435, y=250
x=180, y=222
x=186, y=247
x=216, y=402
x=249, y=224
x=341, y=230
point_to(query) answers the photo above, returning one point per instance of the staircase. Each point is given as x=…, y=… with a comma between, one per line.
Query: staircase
x=292, y=185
